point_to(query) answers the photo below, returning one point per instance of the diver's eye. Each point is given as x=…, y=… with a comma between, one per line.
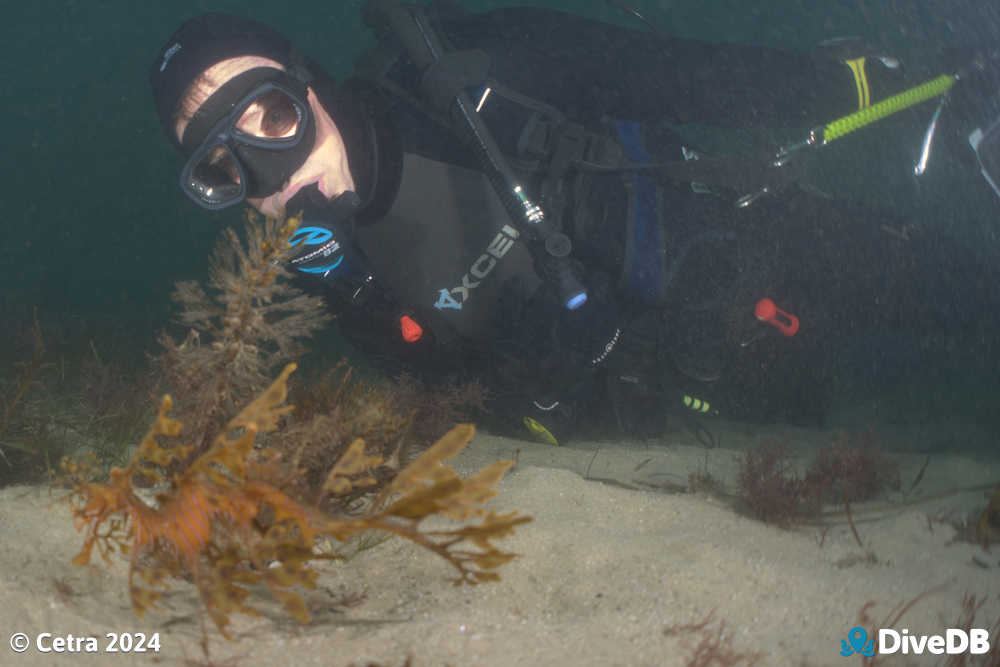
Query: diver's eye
x=272, y=116
x=281, y=117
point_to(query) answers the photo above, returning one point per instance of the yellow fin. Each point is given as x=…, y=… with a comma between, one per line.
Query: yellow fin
x=540, y=433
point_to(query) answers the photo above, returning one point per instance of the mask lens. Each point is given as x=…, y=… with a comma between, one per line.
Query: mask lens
x=214, y=180
x=254, y=147
x=273, y=115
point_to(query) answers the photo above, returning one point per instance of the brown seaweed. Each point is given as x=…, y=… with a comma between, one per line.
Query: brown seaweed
x=12, y=401
x=715, y=645
x=239, y=330
x=768, y=486
x=988, y=524
x=853, y=468
x=231, y=512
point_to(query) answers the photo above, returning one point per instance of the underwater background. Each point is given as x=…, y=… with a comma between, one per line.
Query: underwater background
x=655, y=552
x=96, y=232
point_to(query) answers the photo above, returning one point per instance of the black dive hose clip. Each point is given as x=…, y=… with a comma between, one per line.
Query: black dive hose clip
x=550, y=247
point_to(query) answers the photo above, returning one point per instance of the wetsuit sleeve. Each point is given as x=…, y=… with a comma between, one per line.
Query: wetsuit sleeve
x=591, y=69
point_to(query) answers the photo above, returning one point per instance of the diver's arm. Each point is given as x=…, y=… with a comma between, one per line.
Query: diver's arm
x=592, y=69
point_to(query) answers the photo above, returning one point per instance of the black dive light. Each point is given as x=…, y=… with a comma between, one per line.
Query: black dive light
x=323, y=244
x=444, y=79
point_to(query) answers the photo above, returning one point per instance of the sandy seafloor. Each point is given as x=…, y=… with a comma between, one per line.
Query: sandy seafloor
x=604, y=571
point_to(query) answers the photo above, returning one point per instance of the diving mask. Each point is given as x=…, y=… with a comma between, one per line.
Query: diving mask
x=247, y=139
x=986, y=144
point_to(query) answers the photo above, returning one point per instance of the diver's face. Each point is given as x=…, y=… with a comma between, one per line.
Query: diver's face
x=326, y=165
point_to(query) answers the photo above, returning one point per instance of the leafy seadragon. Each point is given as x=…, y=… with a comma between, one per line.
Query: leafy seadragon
x=227, y=531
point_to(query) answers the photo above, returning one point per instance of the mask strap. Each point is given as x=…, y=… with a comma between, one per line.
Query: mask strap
x=298, y=67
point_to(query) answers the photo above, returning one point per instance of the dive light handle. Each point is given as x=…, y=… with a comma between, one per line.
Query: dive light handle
x=424, y=48
x=323, y=243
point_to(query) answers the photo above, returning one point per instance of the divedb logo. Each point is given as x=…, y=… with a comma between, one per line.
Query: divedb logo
x=975, y=641
x=954, y=641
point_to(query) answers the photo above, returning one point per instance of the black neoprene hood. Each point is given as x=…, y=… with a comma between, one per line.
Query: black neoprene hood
x=200, y=43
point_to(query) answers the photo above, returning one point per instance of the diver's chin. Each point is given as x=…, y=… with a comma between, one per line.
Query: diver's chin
x=266, y=207
x=276, y=205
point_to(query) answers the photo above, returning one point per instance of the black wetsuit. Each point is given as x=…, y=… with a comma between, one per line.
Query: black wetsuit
x=618, y=83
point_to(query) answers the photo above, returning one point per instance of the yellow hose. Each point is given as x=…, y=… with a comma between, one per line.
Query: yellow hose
x=887, y=107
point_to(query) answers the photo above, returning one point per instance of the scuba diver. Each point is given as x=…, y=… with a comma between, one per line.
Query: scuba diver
x=496, y=196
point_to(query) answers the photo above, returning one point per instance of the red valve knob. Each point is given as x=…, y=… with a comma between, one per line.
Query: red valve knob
x=767, y=311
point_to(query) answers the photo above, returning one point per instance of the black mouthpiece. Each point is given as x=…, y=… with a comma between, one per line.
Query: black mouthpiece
x=310, y=202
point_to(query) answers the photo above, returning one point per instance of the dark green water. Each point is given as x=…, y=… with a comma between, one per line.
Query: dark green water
x=95, y=229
